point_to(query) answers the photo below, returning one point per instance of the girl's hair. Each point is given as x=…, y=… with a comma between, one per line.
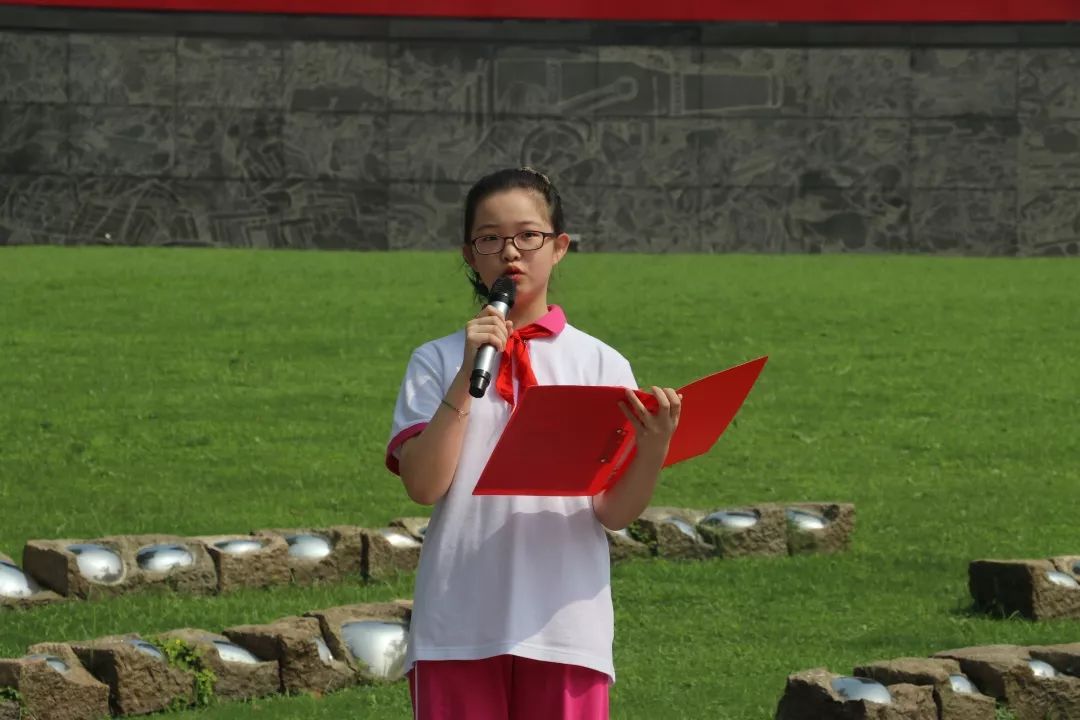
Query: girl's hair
x=523, y=178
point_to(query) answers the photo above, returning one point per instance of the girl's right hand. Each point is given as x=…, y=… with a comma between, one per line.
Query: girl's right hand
x=487, y=328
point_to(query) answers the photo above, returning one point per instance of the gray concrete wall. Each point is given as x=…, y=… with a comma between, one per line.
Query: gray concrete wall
x=122, y=128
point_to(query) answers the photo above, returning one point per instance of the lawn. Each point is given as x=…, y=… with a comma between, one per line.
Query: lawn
x=199, y=392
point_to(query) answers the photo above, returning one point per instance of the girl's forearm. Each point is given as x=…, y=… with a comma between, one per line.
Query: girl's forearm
x=620, y=505
x=429, y=460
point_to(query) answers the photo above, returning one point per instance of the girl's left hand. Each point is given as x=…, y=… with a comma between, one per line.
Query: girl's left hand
x=653, y=431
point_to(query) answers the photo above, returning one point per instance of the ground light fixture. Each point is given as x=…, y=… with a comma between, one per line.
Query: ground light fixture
x=1062, y=579
x=148, y=649
x=684, y=527
x=1042, y=669
x=805, y=520
x=732, y=519
x=324, y=650
x=961, y=684
x=309, y=547
x=239, y=546
x=51, y=660
x=164, y=557
x=233, y=653
x=14, y=583
x=857, y=688
x=378, y=644
x=399, y=538
x=98, y=563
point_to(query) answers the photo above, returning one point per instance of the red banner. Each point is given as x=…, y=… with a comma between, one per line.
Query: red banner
x=991, y=11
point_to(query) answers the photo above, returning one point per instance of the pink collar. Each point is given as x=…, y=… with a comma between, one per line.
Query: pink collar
x=554, y=320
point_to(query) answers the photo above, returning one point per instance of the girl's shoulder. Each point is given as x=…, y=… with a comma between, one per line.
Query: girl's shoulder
x=440, y=344
x=580, y=343
x=439, y=350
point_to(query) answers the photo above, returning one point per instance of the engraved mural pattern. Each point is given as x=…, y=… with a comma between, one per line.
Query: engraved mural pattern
x=350, y=144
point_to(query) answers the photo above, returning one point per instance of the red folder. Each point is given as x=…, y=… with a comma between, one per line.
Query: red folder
x=574, y=440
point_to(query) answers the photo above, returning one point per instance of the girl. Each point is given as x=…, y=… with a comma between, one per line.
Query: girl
x=512, y=613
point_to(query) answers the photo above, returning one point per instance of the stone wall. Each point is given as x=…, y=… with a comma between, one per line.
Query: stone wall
x=145, y=129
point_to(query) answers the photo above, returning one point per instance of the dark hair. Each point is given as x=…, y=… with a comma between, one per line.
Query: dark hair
x=523, y=178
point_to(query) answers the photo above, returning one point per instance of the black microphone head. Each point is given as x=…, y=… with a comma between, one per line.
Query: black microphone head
x=503, y=290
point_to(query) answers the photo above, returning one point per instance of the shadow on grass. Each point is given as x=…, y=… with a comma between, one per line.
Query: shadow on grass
x=994, y=611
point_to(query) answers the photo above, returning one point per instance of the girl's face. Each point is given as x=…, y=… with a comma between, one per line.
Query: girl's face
x=508, y=213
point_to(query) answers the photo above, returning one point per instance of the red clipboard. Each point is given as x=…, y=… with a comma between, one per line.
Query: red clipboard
x=572, y=440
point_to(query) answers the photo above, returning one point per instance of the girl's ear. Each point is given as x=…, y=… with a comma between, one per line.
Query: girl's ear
x=561, y=245
x=469, y=255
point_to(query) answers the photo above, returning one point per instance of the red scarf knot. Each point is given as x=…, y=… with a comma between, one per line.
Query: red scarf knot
x=516, y=354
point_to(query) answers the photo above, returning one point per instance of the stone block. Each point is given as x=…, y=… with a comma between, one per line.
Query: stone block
x=371, y=637
x=986, y=665
x=415, y=526
x=53, y=684
x=244, y=561
x=20, y=590
x=953, y=705
x=239, y=674
x=1042, y=693
x=10, y=710
x=756, y=530
x=809, y=695
x=305, y=661
x=388, y=551
x=670, y=533
x=910, y=702
x=1031, y=588
x=936, y=673
x=819, y=527
x=913, y=671
x=139, y=677
x=165, y=562
x=329, y=554
x=1065, y=658
x=622, y=546
x=55, y=566
x=1068, y=564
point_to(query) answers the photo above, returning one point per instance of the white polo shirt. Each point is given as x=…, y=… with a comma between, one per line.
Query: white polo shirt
x=525, y=576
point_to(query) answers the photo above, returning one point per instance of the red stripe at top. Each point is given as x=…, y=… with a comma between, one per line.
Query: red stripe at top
x=668, y=10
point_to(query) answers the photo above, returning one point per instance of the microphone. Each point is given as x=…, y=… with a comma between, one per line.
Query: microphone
x=501, y=298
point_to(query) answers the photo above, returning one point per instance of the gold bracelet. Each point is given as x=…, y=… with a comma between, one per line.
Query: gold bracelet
x=460, y=413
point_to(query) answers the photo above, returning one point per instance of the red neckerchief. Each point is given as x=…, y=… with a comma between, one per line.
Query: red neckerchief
x=516, y=353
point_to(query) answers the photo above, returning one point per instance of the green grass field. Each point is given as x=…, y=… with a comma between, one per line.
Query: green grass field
x=203, y=392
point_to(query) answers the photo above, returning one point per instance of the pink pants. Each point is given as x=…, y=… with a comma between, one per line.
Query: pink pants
x=506, y=688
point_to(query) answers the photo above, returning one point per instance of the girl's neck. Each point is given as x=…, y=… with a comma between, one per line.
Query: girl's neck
x=526, y=314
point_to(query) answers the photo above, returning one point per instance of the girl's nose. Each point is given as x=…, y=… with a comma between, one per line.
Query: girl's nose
x=510, y=251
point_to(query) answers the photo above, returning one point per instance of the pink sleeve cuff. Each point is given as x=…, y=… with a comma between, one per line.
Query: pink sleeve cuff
x=399, y=440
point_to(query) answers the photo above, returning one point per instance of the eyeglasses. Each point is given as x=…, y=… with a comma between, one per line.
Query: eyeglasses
x=524, y=241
